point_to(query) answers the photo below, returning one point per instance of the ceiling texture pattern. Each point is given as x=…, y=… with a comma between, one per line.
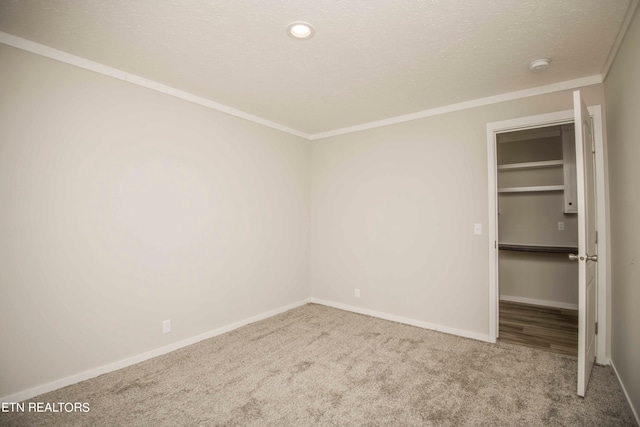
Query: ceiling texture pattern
x=369, y=59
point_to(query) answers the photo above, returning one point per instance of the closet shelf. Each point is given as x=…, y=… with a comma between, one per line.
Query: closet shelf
x=538, y=248
x=531, y=165
x=531, y=189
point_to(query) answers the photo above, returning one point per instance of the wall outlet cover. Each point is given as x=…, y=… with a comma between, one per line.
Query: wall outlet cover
x=166, y=326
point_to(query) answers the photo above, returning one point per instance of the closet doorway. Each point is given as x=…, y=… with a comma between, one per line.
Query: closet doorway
x=590, y=187
x=538, y=229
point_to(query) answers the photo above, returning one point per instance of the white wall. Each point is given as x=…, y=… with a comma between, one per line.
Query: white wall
x=538, y=278
x=121, y=207
x=393, y=210
x=622, y=88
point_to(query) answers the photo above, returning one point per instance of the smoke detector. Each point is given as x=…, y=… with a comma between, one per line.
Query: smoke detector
x=539, y=64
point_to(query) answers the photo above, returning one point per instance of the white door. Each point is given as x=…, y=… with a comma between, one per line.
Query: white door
x=587, y=257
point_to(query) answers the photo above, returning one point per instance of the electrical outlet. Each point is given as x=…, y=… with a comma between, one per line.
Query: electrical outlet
x=477, y=229
x=166, y=326
x=560, y=225
x=356, y=293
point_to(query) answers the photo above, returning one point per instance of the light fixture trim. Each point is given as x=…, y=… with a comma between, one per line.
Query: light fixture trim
x=539, y=64
x=300, y=30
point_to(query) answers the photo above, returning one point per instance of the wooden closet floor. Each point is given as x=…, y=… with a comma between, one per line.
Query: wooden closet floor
x=553, y=329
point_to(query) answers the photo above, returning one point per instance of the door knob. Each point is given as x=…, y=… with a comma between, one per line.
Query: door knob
x=574, y=257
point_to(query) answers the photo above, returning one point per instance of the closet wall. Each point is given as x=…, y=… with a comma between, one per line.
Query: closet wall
x=537, y=228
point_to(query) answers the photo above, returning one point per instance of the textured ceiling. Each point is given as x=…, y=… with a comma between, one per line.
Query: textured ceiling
x=369, y=59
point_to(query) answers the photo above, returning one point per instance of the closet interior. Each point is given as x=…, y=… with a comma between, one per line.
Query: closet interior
x=537, y=229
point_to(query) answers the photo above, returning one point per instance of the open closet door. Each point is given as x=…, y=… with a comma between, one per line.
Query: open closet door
x=586, y=257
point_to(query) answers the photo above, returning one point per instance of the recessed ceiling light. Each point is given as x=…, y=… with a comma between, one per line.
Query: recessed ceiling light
x=300, y=30
x=539, y=64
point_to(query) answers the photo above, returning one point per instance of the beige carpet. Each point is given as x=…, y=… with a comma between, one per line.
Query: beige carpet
x=316, y=365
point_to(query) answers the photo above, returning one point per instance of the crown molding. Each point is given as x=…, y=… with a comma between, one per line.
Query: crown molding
x=86, y=64
x=495, y=99
x=623, y=31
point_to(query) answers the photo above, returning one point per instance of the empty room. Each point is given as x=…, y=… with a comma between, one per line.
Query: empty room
x=319, y=213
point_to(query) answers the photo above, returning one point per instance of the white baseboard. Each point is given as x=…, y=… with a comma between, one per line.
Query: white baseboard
x=92, y=373
x=405, y=320
x=624, y=390
x=543, y=302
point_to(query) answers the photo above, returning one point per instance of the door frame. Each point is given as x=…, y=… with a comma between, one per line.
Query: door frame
x=544, y=120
